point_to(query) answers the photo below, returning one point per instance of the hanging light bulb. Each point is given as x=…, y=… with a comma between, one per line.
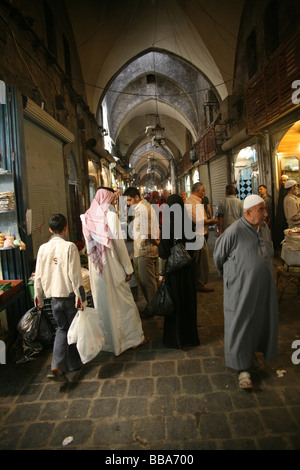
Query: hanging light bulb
x=157, y=132
x=158, y=139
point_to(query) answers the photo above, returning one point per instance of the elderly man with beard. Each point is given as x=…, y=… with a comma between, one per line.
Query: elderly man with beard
x=244, y=256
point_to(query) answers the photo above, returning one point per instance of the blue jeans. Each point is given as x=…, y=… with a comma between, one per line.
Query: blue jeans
x=65, y=357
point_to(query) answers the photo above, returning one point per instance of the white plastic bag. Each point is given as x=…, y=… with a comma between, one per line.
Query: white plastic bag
x=72, y=331
x=85, y=331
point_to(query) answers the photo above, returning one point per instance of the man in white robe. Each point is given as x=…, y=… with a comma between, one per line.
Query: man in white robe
x=110, y=270
x=244, y=256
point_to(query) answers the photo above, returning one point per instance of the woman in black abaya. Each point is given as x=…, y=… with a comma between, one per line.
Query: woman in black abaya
x=180, y=330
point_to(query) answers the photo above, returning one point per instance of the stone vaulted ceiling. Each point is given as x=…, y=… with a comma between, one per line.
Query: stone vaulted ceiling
x=143, y=58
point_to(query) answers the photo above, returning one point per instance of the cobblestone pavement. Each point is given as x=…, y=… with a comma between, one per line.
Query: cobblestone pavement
x=154, y=398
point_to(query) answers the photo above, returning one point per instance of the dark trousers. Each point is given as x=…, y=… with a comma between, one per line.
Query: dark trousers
x=65, y=357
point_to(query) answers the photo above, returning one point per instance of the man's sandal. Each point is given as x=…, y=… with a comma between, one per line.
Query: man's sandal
x=245, y=380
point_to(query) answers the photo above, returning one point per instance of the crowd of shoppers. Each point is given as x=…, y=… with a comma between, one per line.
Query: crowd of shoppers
x=243, y=255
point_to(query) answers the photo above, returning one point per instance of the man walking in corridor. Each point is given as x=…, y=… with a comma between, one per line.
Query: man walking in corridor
x=146, y=240
x=229, y=209
x=243, y=255
x=201, y=256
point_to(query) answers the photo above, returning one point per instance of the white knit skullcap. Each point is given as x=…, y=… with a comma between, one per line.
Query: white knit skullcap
x=252, y=200
x=289, y=184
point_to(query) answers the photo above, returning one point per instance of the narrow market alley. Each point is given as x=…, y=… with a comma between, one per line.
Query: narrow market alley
x=154, y=398
x=157, y=98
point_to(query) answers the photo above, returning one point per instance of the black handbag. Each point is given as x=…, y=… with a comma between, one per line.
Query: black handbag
x=178, y=258
x=163, y=304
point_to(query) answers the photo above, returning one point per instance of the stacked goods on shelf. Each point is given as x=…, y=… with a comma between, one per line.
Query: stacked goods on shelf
x=292, y=238
x=7, y=201
x=290, y=252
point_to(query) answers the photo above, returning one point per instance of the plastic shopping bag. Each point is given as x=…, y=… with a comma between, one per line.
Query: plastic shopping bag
x=85, y=331
x=36, y=331
x=72, y=331
x=29, y=324
x=36, y=325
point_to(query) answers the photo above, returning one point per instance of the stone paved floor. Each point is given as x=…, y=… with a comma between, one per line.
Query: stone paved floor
x=155, y=398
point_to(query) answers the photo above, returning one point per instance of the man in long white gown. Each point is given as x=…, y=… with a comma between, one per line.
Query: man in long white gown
x=110, y=270
x=243, y=254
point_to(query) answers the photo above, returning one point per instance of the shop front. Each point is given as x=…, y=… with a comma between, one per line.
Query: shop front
x=285, y=152
x=246, y=171
x=288, y=153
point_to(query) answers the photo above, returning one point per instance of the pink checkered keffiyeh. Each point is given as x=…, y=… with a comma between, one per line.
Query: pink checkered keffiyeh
x=95, y=227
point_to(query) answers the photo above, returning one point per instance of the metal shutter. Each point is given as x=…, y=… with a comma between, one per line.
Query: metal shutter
x=45, y=179
x=218, y=169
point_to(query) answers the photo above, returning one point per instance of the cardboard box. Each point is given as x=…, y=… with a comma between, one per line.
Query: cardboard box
x=16, y=285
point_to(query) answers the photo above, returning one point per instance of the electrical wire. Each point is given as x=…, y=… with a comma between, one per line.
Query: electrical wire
x=219, y=25
x=103, y=22
x=207, y=57
x=22, y=58
x=122, y=92
x=180, y=45
x=172, y=23
x=199, y=90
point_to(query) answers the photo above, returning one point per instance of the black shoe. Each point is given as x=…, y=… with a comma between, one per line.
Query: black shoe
x=56, y=374
x=57, y=378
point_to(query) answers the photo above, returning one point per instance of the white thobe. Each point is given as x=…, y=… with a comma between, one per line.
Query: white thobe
x=119, y=317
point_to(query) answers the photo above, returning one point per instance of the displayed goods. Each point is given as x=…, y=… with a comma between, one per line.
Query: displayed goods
x=8, y=288
x=292, y=238
x=290, y=251
x=9, y=241
x=7, y=201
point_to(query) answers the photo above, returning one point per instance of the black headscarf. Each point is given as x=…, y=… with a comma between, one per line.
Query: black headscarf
x=173, y=223
x=183, y=229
